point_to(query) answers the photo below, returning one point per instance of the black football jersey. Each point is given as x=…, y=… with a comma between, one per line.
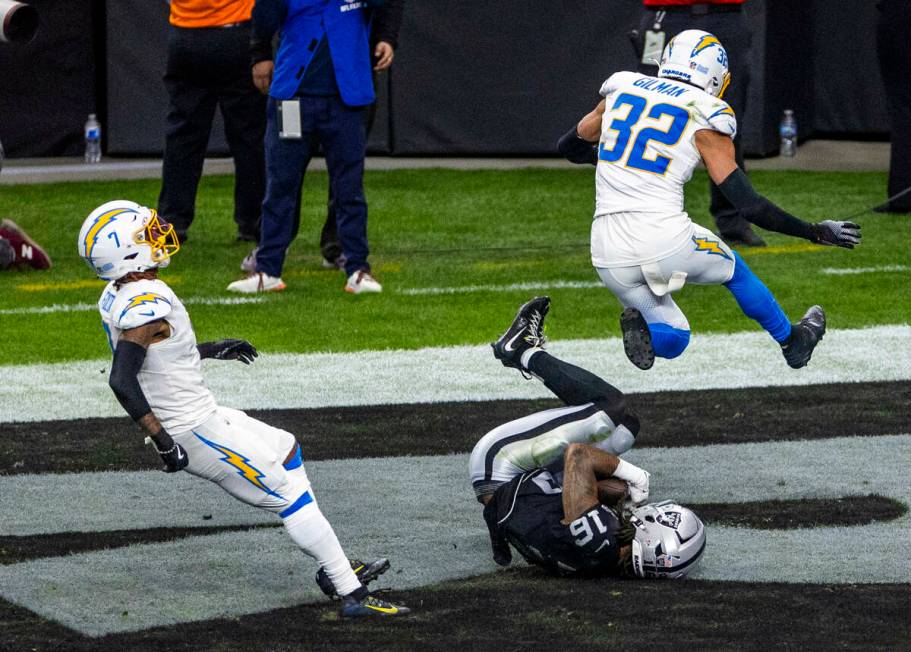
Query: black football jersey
x=526, y=512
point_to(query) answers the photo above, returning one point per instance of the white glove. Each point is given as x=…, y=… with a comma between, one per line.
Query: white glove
x=637, y=479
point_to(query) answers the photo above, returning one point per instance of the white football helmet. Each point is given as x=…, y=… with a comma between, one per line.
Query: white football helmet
x=669, y=540
x=698, y=58
x=121, y=236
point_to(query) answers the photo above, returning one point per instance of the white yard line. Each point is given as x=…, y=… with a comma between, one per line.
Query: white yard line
x=467, y=289
x=85, y=307
x=460, y=373
x=841, y=271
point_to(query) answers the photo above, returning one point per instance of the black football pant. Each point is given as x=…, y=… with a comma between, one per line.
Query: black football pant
x=208, y=67
x=732, y=29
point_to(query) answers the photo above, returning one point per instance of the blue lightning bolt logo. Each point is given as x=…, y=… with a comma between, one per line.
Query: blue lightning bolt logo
x=710, y=247
x=142, y=299
x=242, y=463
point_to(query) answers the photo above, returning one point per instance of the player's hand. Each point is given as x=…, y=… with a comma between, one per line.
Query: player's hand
x=383, y=53
x=638, y=490
x=262, y=75
x=233, y=350
x=838, y=234
x=172, y=454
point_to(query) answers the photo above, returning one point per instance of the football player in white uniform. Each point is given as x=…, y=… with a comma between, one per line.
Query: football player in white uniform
x=157, y=377
x=645, y=137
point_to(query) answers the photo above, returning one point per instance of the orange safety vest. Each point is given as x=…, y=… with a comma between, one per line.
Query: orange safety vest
x=209, y=13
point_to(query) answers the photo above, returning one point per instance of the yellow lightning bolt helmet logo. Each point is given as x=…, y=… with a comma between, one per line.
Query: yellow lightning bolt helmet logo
x=142, y=299
x=710, y=246
x=242, y=463
x=704, y=42
x=91, y=236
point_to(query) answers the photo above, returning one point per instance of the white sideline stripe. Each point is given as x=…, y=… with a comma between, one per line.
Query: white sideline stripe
x=467, y=289
x=841, y=271
x=420, y=513
x=84, y=307
x=465, y=373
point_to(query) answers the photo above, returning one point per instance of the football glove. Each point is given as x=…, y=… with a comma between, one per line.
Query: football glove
x=838, y=234
x=229, y=350
x=172, y=454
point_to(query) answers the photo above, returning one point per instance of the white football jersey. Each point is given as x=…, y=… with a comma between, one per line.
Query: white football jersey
x=646, y=154
x=171, y=375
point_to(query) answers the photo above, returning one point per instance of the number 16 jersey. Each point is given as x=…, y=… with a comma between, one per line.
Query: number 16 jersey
x=646, y=154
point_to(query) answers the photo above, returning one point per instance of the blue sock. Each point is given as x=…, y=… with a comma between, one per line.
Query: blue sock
x=757, y=302
x=668, y=342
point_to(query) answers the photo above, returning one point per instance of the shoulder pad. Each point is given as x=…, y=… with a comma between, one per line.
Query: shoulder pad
x=614, y=82
x=140, y=303
x=713, y=113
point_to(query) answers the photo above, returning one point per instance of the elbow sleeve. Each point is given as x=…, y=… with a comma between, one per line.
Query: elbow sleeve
x=760, y=211
x=575, y=149
x=128, y=359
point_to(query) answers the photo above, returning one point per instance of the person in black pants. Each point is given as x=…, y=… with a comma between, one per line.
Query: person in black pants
x=728, y=23
x=209, y=66
x=894, y=61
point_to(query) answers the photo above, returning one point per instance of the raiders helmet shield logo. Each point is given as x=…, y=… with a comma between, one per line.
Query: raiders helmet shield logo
x=669, y=519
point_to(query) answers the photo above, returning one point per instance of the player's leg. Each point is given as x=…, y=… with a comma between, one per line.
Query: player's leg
x=652, y=325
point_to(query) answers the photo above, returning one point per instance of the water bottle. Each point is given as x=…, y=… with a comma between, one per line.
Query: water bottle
x=788, y=132
x=92, y=139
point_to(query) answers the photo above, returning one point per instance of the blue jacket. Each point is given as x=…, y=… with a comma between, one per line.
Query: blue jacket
x=303, y=24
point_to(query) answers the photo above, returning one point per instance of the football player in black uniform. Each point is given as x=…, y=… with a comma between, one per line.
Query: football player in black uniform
x=552, y=483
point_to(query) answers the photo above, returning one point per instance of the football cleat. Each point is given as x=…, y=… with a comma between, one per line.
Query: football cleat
x=525, y=332
x=27, y=252
x=365, y=572
x=257, y=282
x=805, y=335
x=637, y=340
x=370, y=606
x=361, y=281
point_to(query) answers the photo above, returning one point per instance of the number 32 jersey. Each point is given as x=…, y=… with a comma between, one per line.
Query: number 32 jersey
x=646, y=154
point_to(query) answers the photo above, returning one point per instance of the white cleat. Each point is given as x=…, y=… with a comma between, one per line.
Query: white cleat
x=257, y=282
x=362, y=281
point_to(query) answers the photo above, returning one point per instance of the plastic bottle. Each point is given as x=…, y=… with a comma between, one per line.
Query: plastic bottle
x=788, y=132
x=92, y=139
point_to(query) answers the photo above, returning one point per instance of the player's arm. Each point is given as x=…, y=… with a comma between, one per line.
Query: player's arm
x=579, y=144
x=268, y=17
x=228, y=350
x=717, y=150
x=128, y=359
x=584, y=466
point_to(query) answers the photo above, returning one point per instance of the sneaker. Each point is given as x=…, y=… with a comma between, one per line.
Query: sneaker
x=805, y=335
x=525, y=332
x=637, y=340
x=248, y=264
x=362, y=281
x=28, y=252
x=366, y=573
x=370, y=606
x=745, y=238
x=257, y=282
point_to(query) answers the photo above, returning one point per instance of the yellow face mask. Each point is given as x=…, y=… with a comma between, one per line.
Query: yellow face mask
x=160, y=236
x=724, y=84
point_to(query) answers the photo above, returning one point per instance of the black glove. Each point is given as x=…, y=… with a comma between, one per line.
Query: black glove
x=228, y=350
x=172, y=454
x=839, y=234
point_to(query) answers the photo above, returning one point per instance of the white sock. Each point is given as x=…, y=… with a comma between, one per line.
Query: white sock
x=310, y=530
x=620, y=441
x=526, y=356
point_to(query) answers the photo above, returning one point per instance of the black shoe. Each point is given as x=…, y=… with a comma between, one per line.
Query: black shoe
x=366, y=573
x=333, y=257
x=247, y=237
x=525, y=332
x=745, y=238
x=370, y=606
x=637, y=340
x=805, y=335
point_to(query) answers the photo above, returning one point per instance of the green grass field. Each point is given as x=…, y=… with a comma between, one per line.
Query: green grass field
x=441, y=228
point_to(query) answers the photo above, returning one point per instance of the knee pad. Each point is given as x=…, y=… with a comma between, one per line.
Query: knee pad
x=668, y=342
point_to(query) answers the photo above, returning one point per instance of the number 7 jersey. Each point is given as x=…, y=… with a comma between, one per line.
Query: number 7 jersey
x=646, y=154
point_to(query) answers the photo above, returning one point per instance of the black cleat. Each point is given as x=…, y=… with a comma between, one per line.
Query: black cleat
x=525, y=332
x=637, y=340
x=370, y=605
x=366, y=573
x=805, y=335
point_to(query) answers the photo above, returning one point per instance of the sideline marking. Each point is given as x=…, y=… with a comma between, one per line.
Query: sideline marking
x=840, y=271
x=45, y=392
x=85, y=307
x=533, y=285
x=76, y=285
x=781, y=249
